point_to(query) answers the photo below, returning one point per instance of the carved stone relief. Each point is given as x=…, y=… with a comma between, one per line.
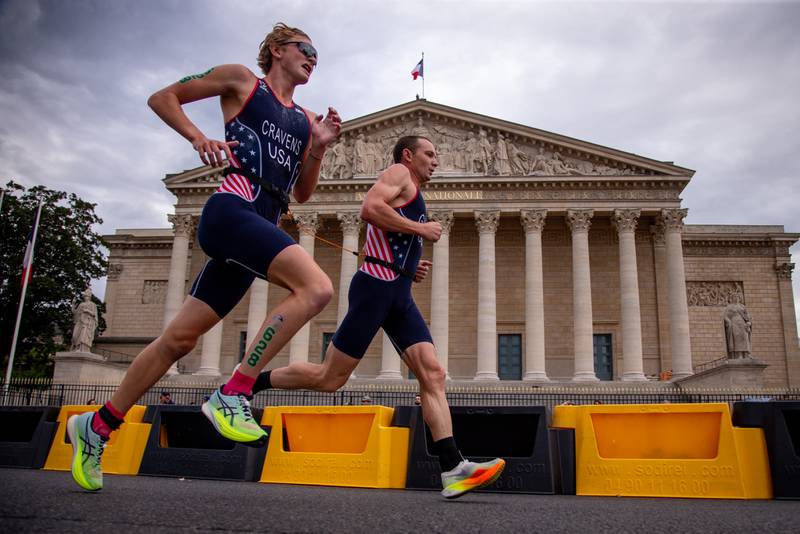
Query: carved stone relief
x=714, y=293
x=462, y=148
x=625, y=220
x=154, y=292
x=184, y=225
x=579, y=220
x=350, y=221
x=445, y=218
x=723, y=249
x=672, y=219
x=114, y=271
x=784, y=271
x=307, y=223
x=487, y=221
x=533, y=220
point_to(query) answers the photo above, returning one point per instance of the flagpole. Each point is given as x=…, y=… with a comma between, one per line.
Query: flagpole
x=25, y=279
x=423, y=75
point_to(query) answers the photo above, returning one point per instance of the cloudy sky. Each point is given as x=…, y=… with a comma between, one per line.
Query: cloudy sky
x=712, y=86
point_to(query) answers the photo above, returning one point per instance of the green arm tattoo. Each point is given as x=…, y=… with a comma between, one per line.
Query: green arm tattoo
x=196, y=76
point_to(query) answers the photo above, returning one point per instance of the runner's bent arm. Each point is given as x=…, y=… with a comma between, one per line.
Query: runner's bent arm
x=232, y=83
x=323, y=132
x=377, y=208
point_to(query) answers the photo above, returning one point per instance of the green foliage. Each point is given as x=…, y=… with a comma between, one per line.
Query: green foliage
x=68, y=255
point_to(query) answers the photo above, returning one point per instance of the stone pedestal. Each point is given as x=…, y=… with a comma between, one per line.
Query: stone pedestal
x=85, y=367
x=742, y=372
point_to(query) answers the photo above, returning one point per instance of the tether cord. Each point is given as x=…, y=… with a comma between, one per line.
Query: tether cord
x=282, y=198
x=369, y=259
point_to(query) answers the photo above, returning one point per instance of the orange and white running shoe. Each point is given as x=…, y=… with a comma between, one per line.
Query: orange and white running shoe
x=468, y=476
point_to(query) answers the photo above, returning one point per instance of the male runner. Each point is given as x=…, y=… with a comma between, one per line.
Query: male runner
x=380, y=296
x=272, y=146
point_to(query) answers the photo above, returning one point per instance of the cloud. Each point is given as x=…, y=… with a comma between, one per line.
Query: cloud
x=709, y=85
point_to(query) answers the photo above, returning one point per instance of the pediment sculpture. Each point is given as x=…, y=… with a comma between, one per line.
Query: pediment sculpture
x=464, y=150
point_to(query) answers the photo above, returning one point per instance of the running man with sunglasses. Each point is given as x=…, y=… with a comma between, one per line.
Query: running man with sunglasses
x=380, y=297
x=272, y=147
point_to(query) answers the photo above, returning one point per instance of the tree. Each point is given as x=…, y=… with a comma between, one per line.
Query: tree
x=68, y=255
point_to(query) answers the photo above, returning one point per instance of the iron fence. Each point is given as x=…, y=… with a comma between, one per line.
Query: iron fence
x=45, y=393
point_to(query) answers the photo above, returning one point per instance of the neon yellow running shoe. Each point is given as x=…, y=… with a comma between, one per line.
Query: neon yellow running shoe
x=469, y=476
x=87, y=450
x=231, y=416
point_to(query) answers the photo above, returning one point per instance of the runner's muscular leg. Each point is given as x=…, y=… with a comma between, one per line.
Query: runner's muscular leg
x=310, y=291
x=328, y=376
x=194, y=319
x=421, y=359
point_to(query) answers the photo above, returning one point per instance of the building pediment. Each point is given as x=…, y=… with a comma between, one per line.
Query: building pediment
x=469, y=145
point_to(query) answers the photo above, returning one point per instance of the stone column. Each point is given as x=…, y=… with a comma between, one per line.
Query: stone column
x=678, y=307
x=184, y=227
x=440, y=288
x=176, y=285
x=533, y=222
x=257, y=310
x=351, y=226
x=783, y=271
x=390, y=360
x=487, y=222
x=662, y=292
x=625, y=221
x=579, y=221
x=307, y=224
x=209, y=356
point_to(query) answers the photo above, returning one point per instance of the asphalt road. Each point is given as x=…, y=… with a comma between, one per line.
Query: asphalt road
x=37, y=501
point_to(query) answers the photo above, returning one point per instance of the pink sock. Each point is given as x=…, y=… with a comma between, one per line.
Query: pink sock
x=100, y=426
x=239, y=384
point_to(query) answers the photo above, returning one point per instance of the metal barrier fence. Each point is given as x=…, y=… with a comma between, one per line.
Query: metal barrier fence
x=44, y=393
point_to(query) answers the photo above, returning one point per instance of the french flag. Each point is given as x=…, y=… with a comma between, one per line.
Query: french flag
x=417, y=72
x=27, y=260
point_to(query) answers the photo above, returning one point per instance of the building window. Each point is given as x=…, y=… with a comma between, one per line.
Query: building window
x=509, y=356
x=603, y=357
x=326, y=339
x=242, y=344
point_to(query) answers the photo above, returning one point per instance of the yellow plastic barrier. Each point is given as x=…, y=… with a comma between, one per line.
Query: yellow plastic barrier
x=123, y=452
x=665, y=450
x=335, y=446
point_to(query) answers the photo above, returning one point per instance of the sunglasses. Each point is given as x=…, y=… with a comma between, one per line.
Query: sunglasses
x=307, y=49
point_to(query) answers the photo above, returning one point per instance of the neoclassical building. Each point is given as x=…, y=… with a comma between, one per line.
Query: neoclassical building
x=560, y=261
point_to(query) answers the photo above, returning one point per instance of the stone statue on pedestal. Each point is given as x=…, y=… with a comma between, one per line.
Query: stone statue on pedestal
x=85, y=322
x=738, y=327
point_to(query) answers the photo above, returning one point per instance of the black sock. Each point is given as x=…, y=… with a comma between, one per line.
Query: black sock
x=262, y=382
x=449, y=456
x=109, y=418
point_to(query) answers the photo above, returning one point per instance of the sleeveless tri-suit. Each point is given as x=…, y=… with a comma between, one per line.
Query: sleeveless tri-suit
x=238, y=227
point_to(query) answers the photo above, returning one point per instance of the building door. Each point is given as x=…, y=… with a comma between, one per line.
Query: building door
x=603, y=357
x=326, y=340
x=242, y=344
x=509, y=356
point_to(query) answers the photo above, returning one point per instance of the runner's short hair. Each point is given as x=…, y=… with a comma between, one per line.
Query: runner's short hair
x=410, y=142
x=280, y=34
